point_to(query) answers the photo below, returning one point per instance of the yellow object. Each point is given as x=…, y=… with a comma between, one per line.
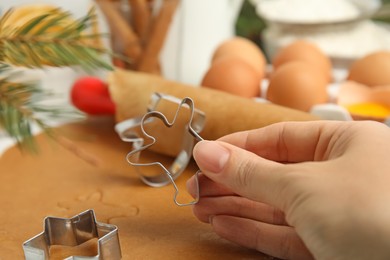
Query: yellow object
x=22, y=15
x=369, y=109
x=25, y=13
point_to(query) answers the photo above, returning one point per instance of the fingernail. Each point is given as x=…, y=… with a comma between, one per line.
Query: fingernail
x=191, y=186
x=211, y=156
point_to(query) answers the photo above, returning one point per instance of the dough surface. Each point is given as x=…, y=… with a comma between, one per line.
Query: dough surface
x=88, y=170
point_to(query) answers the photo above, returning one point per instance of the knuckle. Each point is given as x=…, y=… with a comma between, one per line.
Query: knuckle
x=245, y=172
x=295, y=186
x=294, y=181
x=259, y=240
x=285, y=246
x=278, y=217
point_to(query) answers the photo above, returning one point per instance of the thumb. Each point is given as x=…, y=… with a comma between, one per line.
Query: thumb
x=244, y=172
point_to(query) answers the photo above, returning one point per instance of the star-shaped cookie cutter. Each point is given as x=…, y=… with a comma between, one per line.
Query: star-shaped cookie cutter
x=191, y=133
x=72, y=232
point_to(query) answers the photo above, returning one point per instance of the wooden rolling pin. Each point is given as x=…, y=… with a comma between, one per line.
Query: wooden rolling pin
x=225, y=113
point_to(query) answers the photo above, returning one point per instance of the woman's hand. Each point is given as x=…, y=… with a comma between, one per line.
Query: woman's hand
x=300, y=190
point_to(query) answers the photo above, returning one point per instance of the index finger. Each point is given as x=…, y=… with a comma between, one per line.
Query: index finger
x=290, y=142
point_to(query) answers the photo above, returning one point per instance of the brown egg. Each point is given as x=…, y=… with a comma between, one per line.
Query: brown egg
x=364, y=102
x=351, y=92
x=242, y=48
x=302, y=50
x=233, y=75
x=371, y=70
x=297, y=85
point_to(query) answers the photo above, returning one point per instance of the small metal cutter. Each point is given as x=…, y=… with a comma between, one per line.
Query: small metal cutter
x=195, y=125
x=72, y=232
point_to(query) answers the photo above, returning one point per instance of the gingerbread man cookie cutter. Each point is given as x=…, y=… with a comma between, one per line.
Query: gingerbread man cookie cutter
x=73, y=232
x=169, y=174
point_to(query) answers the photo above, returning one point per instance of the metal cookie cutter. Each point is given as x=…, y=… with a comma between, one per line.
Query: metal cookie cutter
x=72, y=232
x=191, y=133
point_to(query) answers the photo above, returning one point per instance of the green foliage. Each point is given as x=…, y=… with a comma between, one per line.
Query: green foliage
x=384, y=13
x=13, y=116
x=249, y=24
x=51, y=39
x=36, y=43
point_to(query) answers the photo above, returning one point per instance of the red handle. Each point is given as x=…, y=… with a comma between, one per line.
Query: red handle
x=91, y=95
